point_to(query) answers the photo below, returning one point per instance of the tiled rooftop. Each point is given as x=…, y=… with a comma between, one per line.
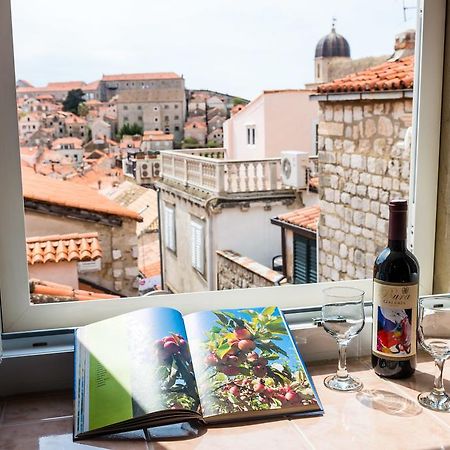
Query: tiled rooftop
x=77, y=143
x=141, y=76
x=157, y=136
x=63, y=248
x=44, y=189
x=62, y=292
x=389, y=76
x=307, y=217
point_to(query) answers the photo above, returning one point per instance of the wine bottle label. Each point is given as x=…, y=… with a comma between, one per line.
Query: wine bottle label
x=394, y=319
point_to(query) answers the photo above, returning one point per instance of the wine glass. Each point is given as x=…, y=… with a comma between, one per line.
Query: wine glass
x=343, y=318
x=434, y=336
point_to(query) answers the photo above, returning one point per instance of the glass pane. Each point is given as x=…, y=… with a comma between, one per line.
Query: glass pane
x=103, y=157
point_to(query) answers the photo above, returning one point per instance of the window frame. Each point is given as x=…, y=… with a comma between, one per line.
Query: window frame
x=18, y=314
x=169, y=221
x=200, y=265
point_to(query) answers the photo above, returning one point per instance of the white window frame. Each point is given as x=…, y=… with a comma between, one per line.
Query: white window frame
x=251, y=135
x=170, y=239
x=18, y=314
x=198, y=255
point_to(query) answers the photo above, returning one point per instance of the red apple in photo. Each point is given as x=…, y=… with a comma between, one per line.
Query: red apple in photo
x=235, y=391
x=230, y=371
x=259, y=387
x=246, y=345
x=211, y=360
x=171, y=348
x=291, y=396
x=260, y=371
x=252, y=357
x=242, y=333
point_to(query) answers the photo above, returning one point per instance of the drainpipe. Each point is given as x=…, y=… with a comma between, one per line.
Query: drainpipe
x=212, y=280
x=161, y=266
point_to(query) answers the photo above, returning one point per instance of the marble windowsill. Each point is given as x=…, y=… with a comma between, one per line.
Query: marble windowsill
x=384, y=415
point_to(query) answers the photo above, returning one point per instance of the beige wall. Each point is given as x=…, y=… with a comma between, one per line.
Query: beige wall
x=62, y=272
x=289, y=120
x=119, y=274
x=283, y=120
x=247, y=231
x=363, y=163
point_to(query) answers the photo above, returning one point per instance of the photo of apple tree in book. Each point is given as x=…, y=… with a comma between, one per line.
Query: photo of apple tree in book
x=175, y=372
x=251, y=364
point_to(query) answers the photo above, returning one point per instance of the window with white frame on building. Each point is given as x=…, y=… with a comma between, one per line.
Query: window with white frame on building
x=251, y=134
x=169, y=228
x=198, y=246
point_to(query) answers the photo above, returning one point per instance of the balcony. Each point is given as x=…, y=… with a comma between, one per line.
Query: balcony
x=207, y=170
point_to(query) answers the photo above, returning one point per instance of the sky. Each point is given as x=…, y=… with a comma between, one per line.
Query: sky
x=239, y=47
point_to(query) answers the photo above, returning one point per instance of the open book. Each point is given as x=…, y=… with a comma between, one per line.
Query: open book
x=138, y=371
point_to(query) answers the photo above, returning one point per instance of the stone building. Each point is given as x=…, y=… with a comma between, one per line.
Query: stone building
x=209, y=203
x=154, y=110
x=56, y=207
x=332, y=59
x=111, y=85
x=364, y=161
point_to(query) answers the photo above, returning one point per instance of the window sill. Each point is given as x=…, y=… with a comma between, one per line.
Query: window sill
x=365, y=417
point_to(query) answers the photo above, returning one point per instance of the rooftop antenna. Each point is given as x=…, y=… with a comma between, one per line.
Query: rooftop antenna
x=405, y=8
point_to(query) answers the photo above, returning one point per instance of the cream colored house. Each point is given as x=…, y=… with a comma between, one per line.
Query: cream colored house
x=274, y=121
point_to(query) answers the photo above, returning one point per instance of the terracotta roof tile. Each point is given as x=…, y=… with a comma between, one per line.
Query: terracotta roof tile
x=389, y=76
x=140, y=76
x=157, y=136
x=63, y=248
x=77, y=143
x=307, y=217
x=72, y=195
x=61, y=292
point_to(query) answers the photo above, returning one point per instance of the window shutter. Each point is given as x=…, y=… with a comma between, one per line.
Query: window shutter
x=312, y=261
x=305, y=260
x=169, y=228
x=300, y=260
x=197, y=247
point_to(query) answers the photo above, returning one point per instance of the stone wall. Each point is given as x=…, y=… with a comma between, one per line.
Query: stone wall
x=363, y=163
x=119, y=263
x=239, y=272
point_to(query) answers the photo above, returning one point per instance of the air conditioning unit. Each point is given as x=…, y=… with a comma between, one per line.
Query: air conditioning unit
x=145, y=173
x=294, y=168
x=156, y=169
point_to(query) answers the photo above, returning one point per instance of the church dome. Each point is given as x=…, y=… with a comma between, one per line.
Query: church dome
x=332, y=45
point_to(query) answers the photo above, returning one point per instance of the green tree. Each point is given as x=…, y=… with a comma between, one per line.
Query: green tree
x=130, y=130
x=191, y=142
x=73, y=100
x=212, y=144
x=83, y=110
x=239, y=101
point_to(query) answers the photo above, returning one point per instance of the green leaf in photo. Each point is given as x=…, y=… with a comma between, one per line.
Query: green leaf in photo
x=223, y=349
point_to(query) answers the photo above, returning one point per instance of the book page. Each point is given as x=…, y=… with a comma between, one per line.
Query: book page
x=247, y=361
x=132, y=365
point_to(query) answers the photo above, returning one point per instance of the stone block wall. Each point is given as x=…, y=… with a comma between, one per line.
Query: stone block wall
x=239, y=272
x=363, y=164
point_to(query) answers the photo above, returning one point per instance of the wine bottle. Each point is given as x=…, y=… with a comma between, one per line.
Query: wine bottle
x=395, y=301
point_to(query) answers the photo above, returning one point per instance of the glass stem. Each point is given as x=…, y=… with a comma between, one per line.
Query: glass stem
x=342, y=363
x=438, y=378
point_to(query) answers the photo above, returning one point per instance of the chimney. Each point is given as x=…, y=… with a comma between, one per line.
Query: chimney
x=404, y=45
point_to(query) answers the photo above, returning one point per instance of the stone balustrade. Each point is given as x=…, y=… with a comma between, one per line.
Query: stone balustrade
x=207, y=170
